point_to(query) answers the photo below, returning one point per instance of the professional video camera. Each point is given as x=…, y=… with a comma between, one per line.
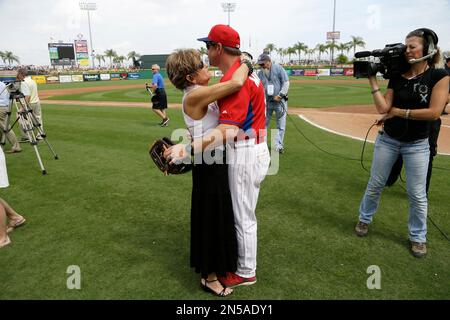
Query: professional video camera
x=392, y=61
x=13, y=86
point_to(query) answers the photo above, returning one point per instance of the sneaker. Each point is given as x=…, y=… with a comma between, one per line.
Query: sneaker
x=232, y=280
x=165, y=122
x=418, y=249
x=362, y=229
x=24, y=140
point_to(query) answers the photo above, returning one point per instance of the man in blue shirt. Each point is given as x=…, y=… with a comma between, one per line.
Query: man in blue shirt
x=159, y=98
x=276, y=86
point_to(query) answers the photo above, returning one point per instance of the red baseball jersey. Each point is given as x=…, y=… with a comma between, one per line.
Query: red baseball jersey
x=246, y=108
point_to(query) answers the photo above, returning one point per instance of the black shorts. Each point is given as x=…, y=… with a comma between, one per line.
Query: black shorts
x=159, y=99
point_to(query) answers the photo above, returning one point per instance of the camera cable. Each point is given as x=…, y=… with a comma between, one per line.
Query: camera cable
x=361, y=159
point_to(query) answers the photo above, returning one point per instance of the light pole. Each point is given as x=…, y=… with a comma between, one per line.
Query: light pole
x=334, y=20
x=89, y=6
x=228, y=7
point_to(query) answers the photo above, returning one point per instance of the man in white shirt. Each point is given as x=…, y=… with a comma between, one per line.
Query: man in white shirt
x=32, y=99
x=4, y=104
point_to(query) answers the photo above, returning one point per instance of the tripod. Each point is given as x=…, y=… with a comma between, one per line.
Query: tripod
x=28, y=122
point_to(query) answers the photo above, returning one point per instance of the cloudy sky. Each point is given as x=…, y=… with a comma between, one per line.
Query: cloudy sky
x=159, y=26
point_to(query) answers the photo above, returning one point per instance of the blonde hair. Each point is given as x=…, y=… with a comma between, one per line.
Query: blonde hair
x=155, y=66
x=180, y=64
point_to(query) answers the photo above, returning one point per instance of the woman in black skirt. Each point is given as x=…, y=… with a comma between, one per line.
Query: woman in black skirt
x=213, y=237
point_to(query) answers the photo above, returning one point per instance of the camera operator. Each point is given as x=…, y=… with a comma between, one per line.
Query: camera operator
x=29, y=90
x=10, y=135
x=276, y=86
x=412, y=100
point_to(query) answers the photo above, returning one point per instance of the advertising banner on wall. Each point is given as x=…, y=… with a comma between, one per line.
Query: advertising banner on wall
x=336, y=71
x=310, y=72
x=52, y=79
x=298, y=72
x=39, y=79
x=65, y=78
x=124, y=76
x=134, y=75
x=105, y=76
x=91, y=77
x=348, y=72
x=115, y=76
x=77, y=78
x=323, y=72
x=81, y=52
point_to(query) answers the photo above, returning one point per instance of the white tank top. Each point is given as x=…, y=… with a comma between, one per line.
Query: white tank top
x=198, y=128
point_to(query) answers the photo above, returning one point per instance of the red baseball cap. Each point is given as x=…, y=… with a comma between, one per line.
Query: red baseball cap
x=223, y=34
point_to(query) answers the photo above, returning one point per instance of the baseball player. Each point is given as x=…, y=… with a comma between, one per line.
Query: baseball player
x=242, y=120
x=242, y=125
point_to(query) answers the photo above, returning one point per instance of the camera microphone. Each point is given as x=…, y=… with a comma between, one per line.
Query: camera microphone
x=432, y=53
x=363, y=54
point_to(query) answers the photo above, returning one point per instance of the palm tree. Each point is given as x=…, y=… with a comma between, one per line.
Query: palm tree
x=331, y=45
x=10, y=57
x=299, y=47
x=270, y=47
x=119, y=59
x=356, y=42
x=133, y=56
x=100, y=58
x=321, y=48
x=110, y=54
x=2, y=56
x=311, y=52
x=290, y=51
x=203, y=52
x=342, y=46
x=280, y=52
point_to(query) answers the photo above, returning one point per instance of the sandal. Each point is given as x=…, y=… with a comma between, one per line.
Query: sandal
x=206, y=288
x=6, y=242
x=19, y=223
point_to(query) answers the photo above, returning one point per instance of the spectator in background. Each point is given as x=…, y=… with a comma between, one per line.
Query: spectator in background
x=159, y=99
x=4, y=104
x=32, y=98
x=276, y=86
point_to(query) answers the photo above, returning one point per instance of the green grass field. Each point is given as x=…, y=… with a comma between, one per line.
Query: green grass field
x=104, y=207
x=309, y=95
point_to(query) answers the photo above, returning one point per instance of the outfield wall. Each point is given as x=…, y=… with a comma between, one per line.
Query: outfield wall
x=345, y=70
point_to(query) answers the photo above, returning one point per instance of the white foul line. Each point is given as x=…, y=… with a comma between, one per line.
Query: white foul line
x=350, y=136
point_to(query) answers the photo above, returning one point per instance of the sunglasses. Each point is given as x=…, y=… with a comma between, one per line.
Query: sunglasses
x=210, y=44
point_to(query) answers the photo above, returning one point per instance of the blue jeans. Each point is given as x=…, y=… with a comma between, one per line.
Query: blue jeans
x=415, y=155
x=280, y=113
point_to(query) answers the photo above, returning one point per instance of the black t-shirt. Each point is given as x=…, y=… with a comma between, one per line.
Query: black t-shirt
x=412, y=94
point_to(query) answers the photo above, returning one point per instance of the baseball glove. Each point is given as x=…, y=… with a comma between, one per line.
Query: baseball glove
x=157, y=154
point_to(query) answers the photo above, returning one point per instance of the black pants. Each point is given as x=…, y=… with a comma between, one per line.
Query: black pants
x=435, y=127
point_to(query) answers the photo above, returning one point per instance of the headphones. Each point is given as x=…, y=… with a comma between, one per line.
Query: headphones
x=430, y=40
